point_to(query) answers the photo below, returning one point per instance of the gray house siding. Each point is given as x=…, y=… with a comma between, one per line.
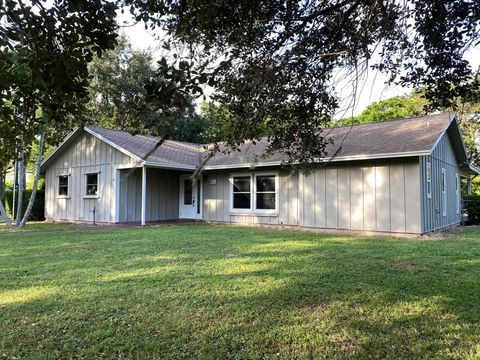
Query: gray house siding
x=443, y=156
x=379, y=196
x=86, y=155
x=375, y=196
x=162, y=195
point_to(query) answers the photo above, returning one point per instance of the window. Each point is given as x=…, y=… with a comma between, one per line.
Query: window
x=457, y=193
x=265, y=192
x=63, y=185
x=254, y=192
x=242, y=192
x=429, y=180
x=92, y=185
x=187, y=192
x=444, y=192
x=199, y=202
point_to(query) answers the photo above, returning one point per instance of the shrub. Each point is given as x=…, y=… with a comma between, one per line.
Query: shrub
x=38, y=210
x=472, y=207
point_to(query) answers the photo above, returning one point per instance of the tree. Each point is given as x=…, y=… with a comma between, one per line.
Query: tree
x=413, y=104
x=117, y=87
x=44, y=53
x=118, y=96
x=273, y=61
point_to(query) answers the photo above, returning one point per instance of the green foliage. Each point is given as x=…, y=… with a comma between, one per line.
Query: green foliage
x=276, y=60
x=38, y=210
x=396, y=107
x=218, y=121
x=119, y=98
x=45, y=77
x=45, y=49
x=269, y=64
x=117, y=88
x=472, y=207
x=469, y=119
x=194, y=128
x=221, y=292
x=476, y=185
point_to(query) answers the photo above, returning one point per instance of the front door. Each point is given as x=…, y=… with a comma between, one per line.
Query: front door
x=189, y=197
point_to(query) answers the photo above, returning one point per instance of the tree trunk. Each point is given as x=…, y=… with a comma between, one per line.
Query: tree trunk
x=4, y=215
x=35, y=182
x=21, y=184
x=2, y=185
x=3, y=212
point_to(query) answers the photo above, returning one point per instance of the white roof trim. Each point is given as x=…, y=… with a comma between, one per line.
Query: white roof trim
x=60, y=146
x=169, y=166
x=453, y=116
x=119, y=148
x=474, y=169
x=328, y=159
x=129, y=166
x=243, y=165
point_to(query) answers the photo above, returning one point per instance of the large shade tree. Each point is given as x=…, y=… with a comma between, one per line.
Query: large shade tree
x=273, y=62
x=44, y=53
x=119, y=98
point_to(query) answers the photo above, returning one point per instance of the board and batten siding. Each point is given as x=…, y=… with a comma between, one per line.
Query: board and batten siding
x=375, y=196
x=162, y=195
x=442, y=157
x=86, y=155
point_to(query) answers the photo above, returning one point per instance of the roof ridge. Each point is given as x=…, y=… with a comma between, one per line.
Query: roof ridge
x=417, y=117
x=152, y=137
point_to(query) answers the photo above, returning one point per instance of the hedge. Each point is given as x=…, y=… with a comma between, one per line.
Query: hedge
x=472, y=207
x=38, y=210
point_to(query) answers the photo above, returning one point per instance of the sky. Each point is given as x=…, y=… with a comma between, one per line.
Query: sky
x=371, y=89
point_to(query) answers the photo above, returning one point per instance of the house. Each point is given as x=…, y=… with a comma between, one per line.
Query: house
x=399, y=176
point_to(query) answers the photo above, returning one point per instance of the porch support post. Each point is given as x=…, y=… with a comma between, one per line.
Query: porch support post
x=144, y=194
x=469, y=186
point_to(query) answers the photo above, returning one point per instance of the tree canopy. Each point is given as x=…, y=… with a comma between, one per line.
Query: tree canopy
x=274, y=61
x=44, y=53
x=412, y=104
x=119, y=98
x=269, y=64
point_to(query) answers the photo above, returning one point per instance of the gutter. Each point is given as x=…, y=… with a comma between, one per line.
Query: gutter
x=330, y=159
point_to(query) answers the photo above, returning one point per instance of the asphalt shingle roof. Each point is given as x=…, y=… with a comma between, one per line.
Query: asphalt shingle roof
x=369, y=140
x=393, y=137
x=143, y=146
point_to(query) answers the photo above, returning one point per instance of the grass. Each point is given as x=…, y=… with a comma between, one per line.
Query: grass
x=193, y=291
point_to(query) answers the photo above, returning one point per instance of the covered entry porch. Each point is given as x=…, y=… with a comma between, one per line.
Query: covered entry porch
x=150, y=194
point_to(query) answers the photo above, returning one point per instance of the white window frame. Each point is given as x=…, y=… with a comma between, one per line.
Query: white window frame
x=97, y=195
x=253, y=193
x=68, y=187
x=237, y=210
x=444, y=192
x=457, y=193
x=428, y=176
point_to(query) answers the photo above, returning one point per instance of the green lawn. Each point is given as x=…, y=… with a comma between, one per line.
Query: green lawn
x=198, y=291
